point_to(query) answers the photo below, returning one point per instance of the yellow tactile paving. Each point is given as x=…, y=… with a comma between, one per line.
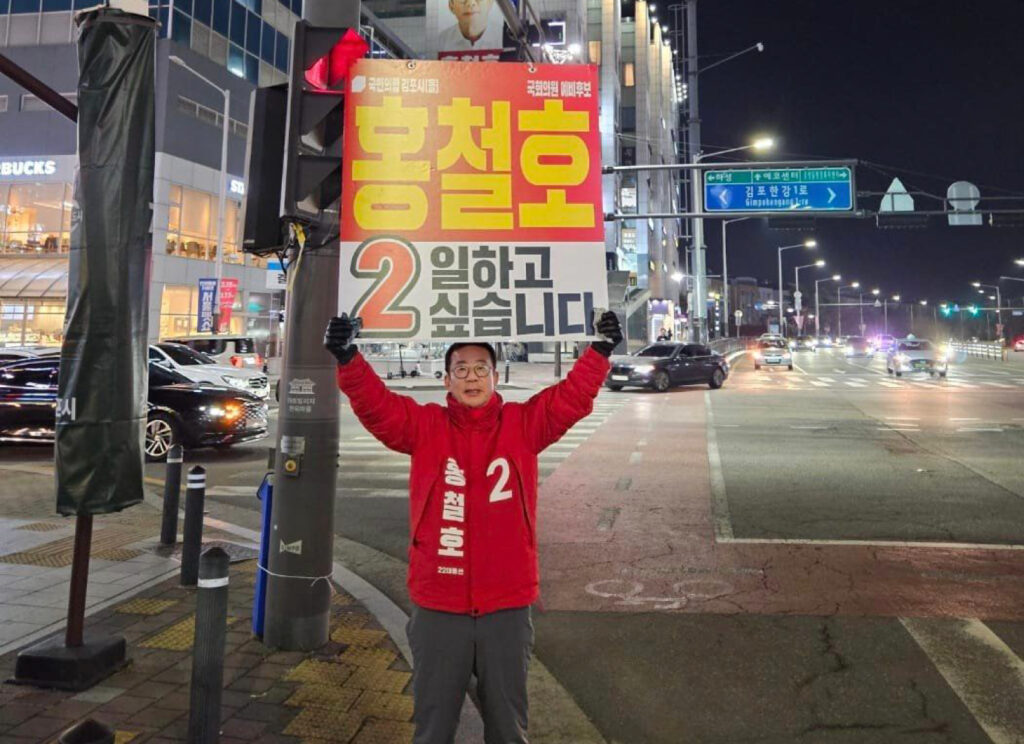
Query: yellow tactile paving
x=320, y=672
x=384, y=680
x=384, y=732
x=178, y=637
x=335, y=696
x=117, y=554
x=350, y=620
x=341, y=599
x=370, y=658
x=327, y=724
x=358, y=636
x=385, y=705
x=58, y=553
x=143, y=606
x=123, y=737
x=44, y=526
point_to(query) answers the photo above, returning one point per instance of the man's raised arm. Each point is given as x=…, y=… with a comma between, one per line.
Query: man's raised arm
x=391, y=418
x=554, y=410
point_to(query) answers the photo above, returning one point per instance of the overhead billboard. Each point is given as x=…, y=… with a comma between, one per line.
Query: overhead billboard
x=466, y=30
x=469, y=209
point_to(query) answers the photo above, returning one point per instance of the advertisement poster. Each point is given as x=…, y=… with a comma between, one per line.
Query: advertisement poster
x=204, y=319
x=466, y=30
x=228, y=295
x=469, y=209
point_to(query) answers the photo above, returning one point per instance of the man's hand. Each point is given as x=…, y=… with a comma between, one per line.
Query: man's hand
x=338, y=338
x=607, y=326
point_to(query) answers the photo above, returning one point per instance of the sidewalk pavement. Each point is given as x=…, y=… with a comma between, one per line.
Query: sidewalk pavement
x=355, y=689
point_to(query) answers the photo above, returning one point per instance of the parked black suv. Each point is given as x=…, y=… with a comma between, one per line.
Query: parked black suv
x=180, y=411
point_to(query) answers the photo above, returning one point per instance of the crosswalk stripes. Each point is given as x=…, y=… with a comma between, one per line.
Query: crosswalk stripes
x=961, y=382
x=366, y=468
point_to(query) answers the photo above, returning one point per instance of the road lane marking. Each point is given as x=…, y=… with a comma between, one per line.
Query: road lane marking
x=972, y=429
x=854, y=384
x=719, y=503
x=818, y=383
x=808, y=427
x=963, y=418
x=902, y=418
x=825, y=379
x=870, y=543
x=996, y=384
x=980, y=668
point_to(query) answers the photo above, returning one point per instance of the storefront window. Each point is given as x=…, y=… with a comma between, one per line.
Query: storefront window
x=177, y=310
x=35, y=218
x=192, y=225
x=31, y=322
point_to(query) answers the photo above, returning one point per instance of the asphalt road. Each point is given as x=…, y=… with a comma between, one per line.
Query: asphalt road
x=823, y=555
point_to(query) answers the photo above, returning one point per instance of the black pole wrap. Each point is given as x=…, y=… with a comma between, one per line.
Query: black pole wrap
x=192, y=539
x=208, y=648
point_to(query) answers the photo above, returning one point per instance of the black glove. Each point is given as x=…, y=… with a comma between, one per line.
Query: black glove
x=607, y=326
x=338, y=338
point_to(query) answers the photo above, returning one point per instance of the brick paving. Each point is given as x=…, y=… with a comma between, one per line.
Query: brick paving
x=355, y=689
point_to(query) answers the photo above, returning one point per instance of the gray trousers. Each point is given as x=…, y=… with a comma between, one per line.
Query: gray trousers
x=447, y=649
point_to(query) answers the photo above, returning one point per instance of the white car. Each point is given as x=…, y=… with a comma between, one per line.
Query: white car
x=773, y=353
x=236, y=351
x=201, y=368
x=915, y=355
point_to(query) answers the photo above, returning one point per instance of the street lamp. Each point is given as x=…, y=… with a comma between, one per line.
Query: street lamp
x=700, y=287
x=839, y=300
x=222, y=197
x=817, y=307
x=725, y=271
x=809, y=243
x=1019, y=261
x=998, y=297
x=797, y=304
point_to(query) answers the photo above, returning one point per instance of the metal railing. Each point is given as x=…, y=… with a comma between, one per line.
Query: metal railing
x=980, y=349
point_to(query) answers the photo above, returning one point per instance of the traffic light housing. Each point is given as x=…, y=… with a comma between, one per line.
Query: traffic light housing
x=321, y=58
x=264, y=148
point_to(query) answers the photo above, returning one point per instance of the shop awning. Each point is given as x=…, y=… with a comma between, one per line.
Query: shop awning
x=33, y=278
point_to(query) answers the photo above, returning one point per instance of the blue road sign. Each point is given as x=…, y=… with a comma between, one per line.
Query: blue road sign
x=204, y=309
x=826, y=189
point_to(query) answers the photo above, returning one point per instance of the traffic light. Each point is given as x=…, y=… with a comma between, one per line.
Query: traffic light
x=321, y=58
x=946, y=310
x=973, y=310
x=264, y=147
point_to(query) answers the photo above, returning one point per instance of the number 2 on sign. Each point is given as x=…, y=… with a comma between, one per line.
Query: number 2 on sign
x=394, y=266
x=498, y=493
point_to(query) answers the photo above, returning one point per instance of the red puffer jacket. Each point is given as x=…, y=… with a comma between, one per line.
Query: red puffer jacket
x=473, y=484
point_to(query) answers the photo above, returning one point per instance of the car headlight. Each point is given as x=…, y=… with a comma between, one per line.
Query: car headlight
x=902, y=359
x=235, y=382
x=849, y=349
x=643, y=369
x=787, y=355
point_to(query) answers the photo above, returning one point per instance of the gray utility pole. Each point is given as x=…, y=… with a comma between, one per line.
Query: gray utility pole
x=698, y=313
x=301, y=552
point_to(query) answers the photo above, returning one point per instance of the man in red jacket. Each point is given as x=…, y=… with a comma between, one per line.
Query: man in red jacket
x=472, y=521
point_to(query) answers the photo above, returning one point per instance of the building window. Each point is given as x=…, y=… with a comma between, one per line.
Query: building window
x=30, y=102
x=31, y=322
x=192, y=225
x=177, y=310
x=627, y=75
x=35, y=218
x=594, y=47
x=209, y=116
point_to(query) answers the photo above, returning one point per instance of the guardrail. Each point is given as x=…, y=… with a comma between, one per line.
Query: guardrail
x=981, y=350
x=725, y=345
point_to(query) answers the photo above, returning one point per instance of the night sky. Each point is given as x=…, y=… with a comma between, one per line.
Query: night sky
x=929, y=90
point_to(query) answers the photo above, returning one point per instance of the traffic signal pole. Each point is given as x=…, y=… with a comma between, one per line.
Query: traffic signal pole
x=300, y=559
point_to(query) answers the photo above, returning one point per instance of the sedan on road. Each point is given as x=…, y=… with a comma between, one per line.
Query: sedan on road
x=773, y=353
x=858, y=346
x=1018, y=343
x=665, y=365
x=179, y=411
x=915, y=355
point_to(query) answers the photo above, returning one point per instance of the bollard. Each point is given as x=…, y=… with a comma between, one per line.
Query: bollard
x=192, y=539
x=172, y=493
x=208, y=648
x=88, y=731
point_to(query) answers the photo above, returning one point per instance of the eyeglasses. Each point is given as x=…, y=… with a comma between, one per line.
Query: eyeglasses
x=461, y=371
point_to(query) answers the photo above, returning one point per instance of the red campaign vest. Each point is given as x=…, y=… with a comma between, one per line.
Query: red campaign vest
x=473, y=482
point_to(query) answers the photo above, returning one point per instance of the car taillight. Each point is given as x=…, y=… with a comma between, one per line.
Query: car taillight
x=237, y=361
x=259, y=361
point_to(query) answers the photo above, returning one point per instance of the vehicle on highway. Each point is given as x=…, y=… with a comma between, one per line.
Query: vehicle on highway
x=201, y=368
x=665, y=365
x=773, y=353
x=824, y=342
x=858, y=346
x=915, y=355
x=237, y=351
x=884, y=343
x=805, y=343
x=1018, y=343
x=17, y=353
x=180, y=410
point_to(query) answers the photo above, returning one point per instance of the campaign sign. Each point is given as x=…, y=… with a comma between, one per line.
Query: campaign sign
x=471, y=201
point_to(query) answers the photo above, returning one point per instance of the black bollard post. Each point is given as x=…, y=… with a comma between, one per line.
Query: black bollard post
x=172, y=493
x=208, y=648
x=504, y=348
x=192, y=540
x=88, y=731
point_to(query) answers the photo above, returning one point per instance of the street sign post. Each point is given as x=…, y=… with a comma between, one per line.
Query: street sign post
x=827, y=189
